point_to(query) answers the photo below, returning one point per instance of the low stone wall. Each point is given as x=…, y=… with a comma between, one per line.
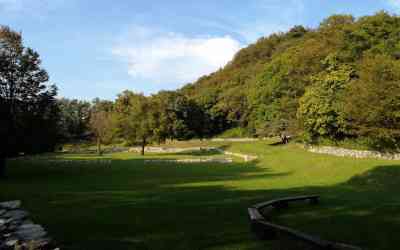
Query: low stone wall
x=337, y=151
x=245, y=157
x=169, y=150
x=18, y=232
x=105, y=150
x=203, y=160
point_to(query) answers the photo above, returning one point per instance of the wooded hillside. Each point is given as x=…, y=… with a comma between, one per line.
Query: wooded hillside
x=340, y=80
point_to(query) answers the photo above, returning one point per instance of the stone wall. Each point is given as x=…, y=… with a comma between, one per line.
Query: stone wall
x=245, y=157
x=159, y=150
x=195, y=160
x=17, y=231
x=169, y=150
x=352, y=153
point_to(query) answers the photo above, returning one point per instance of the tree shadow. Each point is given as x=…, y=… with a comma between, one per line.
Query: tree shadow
x=278, y=143
x=202, y=152
x=138, y=205
x=363, y=211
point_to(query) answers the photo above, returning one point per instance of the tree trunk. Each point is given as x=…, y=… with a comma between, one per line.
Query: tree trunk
x=143, y=146
x=2, y=166
x=99, y=146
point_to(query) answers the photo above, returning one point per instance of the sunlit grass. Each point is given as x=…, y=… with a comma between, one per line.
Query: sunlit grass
x=130, y=204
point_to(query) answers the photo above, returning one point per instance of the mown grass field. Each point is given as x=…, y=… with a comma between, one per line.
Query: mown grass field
x=130, y=204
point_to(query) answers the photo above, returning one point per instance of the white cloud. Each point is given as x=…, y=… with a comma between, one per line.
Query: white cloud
x=170, y=58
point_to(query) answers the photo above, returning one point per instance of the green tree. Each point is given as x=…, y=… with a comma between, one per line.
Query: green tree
x=170, y=117
x=137, y=119
x=74, y=119
x=27, y=101
x=103, y=125
x=373, y=100
x=321, y=108
x=102, y=105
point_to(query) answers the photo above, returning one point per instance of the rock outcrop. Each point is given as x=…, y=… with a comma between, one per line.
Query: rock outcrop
x=17, y=231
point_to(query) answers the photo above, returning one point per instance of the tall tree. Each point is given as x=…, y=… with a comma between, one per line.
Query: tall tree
x=170, y=123
x=102, y=124
x=74, y=119
x=142, y=122
x=137, y=118
x=27, y=101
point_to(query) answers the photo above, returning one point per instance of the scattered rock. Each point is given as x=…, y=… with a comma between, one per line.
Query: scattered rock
x=352, y=153
x=32, y=234
x=7, y=235
x=30, y=227
x=11, y=243
x=27, y=222
x=17, y=231
x=10, y=205
x=16, y=215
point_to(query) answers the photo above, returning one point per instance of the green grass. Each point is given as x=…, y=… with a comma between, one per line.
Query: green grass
x=135, y=205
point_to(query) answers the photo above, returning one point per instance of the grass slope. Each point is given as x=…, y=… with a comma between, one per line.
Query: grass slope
x=137, y=205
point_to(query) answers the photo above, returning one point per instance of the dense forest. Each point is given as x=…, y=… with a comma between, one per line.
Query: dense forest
x=338, y=81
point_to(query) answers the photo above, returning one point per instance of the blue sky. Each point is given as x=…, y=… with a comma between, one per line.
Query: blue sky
x=100, y=48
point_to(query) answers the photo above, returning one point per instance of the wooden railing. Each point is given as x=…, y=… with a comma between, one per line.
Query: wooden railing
x=265, y=230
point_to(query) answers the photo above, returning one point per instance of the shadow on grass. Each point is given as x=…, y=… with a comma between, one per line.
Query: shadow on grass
x=363, y=211
x=137, y=205
x=195, y=153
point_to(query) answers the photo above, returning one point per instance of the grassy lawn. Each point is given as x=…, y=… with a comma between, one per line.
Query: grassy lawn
x=130, y=204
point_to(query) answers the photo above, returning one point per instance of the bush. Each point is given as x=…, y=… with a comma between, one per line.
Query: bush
x=235, y=133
